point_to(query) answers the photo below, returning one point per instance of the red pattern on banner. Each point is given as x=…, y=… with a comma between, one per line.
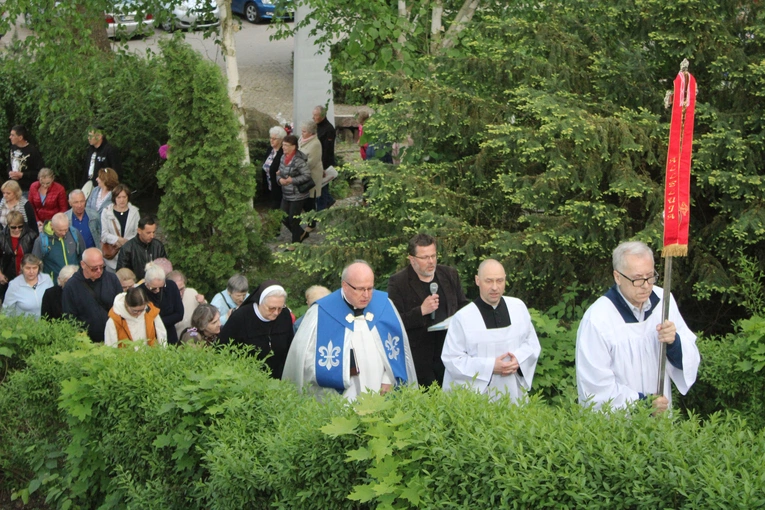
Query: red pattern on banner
x=677, y=188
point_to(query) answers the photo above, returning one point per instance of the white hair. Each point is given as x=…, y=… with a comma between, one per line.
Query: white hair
x=154, y=272
x=66, y=273
x=627, y=249
x=277, y=131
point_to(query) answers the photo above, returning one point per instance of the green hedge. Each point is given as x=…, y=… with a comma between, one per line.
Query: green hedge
x=197, y=428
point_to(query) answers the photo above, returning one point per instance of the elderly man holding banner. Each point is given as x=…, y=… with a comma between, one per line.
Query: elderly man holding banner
x=627, y=336
x=620, y=337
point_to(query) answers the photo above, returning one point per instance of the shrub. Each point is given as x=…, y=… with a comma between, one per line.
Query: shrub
x=206, y=210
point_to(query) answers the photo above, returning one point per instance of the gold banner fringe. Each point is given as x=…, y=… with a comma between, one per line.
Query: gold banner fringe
x=675, y=250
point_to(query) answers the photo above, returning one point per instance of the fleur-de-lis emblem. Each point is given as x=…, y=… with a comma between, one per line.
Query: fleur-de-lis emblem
x=391, y=345
x=329, y=356
x=369, y=316
x=349, y=318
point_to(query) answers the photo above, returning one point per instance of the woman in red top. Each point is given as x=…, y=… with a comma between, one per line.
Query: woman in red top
x=47, y=197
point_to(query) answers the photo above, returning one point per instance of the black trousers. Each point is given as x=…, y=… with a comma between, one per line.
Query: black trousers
x=291, y=222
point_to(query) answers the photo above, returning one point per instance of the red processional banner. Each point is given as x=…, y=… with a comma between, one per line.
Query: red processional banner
x=677, y=189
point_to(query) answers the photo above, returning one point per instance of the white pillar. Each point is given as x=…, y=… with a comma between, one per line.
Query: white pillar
x=312, y=82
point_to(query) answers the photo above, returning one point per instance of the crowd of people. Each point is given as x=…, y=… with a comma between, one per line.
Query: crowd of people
x=297, y=172
x=99, y=262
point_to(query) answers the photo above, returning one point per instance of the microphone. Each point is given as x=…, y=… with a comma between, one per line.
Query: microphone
x=433, y=290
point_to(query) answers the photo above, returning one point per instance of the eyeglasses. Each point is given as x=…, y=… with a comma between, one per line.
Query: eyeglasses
x=93, y=135
x=15, y=227
x=274, y=309
x=426, y=257
x=94, y=268
x=639, y=282
x=137, y=311
x=359, y=289
x=155, y=289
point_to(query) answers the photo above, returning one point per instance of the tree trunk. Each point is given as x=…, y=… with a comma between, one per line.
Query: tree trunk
x=228, y=47
x=463, y=17
x=435, y=25
x=96, y=21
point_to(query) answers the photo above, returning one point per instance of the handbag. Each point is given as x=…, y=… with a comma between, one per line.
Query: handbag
x=306, y=186
x=110, y=250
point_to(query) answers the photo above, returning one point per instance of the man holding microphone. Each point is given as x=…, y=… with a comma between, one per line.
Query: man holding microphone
x=426, y=293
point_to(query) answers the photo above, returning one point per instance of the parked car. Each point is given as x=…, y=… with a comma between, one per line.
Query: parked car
x=256, y=11
x=126, y=20
x=193, y=14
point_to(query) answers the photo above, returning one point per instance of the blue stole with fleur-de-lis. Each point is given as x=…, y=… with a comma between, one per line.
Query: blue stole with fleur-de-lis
x=330, y=337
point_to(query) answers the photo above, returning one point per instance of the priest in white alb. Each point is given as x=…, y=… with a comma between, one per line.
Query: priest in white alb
x=351, y=341
x=618, y=341
x=491, y=345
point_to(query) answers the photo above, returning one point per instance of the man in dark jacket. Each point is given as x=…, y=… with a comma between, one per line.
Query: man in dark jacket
x=24, y=161
x=411, y=291
x=58, y=245
x=100, y=154
x=89, y=294
x=142, y=249
x=325, y=132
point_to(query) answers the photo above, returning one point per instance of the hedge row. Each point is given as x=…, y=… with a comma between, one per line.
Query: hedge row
x=196, y=428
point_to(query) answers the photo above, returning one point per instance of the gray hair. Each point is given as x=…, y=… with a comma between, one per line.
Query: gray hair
x=60, y=219
x=308, y=125
x=66, y=273
x=237, y=283
x=177, y=275
x=277, y=131
x=154, y=272
x=76, y=192
x=322, y=110
x=630, y=248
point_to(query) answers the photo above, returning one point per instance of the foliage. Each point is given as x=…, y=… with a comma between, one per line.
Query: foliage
x=121, y=92
x=730, y=376
x=539, y=139
x=202, y=428
x=206, y=210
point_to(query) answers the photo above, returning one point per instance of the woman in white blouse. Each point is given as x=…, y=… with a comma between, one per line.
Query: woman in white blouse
x=119, y=221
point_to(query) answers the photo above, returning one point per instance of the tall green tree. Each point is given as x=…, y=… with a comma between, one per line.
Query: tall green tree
x=211, y=227
x=540, y=138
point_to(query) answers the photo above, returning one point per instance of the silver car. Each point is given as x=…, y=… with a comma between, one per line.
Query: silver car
x=193, y=14
x=126, y=21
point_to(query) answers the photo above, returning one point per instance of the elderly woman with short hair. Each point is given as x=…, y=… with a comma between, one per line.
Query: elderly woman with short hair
x=226, y=301
x=275, y=136
x=25, y=292
x=14, y=201
x=265, y=323
x=47, y=196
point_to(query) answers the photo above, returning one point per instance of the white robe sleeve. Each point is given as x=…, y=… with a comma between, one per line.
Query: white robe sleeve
x=684, y=378
x=461, y=367
x=528, y=353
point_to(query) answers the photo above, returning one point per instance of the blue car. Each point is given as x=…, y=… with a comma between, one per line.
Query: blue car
x=256, y=11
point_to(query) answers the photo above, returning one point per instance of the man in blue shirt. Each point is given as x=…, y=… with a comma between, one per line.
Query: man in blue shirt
x=84, y=219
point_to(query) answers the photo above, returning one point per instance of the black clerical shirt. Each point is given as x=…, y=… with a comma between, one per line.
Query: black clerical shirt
x=493, y=318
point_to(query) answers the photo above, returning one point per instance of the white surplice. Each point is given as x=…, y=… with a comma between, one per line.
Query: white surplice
x=617, y=360
x=470, y=350
x=374, y=369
